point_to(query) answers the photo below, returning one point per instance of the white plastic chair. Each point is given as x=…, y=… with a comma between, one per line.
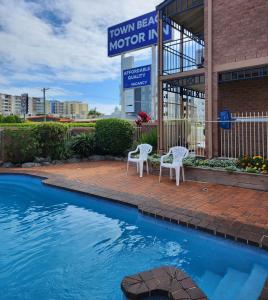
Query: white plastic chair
x=178, y=154
x=144, y=150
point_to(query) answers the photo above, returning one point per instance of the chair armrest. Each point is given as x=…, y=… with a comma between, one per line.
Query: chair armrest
x=163, y=157
x=132, y=152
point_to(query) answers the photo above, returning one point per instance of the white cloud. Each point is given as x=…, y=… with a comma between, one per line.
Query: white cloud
x=32, y=49
x=35, y=92
x=61, y=42
x=106, y=109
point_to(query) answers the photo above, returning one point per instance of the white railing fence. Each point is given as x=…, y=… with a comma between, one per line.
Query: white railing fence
x=188, y=133
x=248, y=135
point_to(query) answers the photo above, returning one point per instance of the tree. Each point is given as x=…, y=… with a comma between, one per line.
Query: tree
x=93, y=113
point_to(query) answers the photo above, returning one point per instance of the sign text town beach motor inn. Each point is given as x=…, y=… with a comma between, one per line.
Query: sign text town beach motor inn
x=134, y=34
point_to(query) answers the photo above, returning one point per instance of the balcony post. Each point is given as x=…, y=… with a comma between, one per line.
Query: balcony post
x=181, y=70
x=160, y=119
x=209, y=110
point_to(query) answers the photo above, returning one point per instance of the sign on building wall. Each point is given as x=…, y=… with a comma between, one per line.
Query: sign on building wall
x=135, y=34
x=137, y=77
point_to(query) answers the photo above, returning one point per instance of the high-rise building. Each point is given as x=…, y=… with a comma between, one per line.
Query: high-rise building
x=10, y=105
x=75, y=109
x=31, y=106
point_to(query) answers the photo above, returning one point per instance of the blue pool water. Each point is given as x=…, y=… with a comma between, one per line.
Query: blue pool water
x=56, y=244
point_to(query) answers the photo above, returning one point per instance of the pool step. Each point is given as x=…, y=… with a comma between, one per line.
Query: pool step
x=209, y=282
x=230, y=285
x=252, y=288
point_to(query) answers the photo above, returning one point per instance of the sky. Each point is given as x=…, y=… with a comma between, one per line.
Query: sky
x=62, y=45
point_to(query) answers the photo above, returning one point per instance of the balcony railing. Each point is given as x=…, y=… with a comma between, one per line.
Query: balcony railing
x=183, y=55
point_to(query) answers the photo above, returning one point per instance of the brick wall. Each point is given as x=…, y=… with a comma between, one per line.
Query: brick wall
x=244, y=96
x=239, y=30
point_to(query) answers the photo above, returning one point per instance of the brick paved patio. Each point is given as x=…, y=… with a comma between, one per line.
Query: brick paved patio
x=232, y=212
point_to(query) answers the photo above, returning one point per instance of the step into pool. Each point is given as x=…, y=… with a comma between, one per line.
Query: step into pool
x=56, y=244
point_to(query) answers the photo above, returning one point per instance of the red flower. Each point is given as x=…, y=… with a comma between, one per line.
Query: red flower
x=143, y=117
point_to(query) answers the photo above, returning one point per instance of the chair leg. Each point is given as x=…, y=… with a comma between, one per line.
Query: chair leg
x=183, y=173
x=171, y=173
x=160, y=174
x=137, y=167
x=147, y=165
x=177, y=176
x=141, y=168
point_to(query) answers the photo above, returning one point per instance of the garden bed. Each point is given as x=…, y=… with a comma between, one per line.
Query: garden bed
x=238, y=179
x=218, y=171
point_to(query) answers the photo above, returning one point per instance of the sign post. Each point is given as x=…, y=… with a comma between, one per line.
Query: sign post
x=154, y=82
x=132, y=35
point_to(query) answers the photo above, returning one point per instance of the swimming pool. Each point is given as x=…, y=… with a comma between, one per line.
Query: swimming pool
x=56, y=244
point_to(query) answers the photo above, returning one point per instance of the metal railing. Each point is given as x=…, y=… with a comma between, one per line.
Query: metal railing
x=183, y=55
x=248, y=135
x=188, y=133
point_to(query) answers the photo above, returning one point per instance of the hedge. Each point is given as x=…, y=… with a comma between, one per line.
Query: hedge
x=83, y=144
x=35, y=124
x=51, y=138
x=20, y=145
x=113, y=136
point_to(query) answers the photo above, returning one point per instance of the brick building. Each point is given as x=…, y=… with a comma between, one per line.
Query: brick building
x=219, y=54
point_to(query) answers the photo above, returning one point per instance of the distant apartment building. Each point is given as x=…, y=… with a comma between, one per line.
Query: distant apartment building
x=75, y=109
x=33, y=106
x=70, y=109
x=56, y=107
x=10, y=105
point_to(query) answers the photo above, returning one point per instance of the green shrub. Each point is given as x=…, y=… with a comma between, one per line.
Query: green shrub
x=10, y=119
x=231, y=169
x=114, y=136
x=255, y=162
x=83, y=144
x=150, y=138
x=74, y=125
x=51, y=138
x=35, y=124
x=20, y=145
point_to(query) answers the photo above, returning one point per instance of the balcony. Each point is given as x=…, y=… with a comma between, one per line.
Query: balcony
x=183, y=55
x=187, y=13
x=183, y=58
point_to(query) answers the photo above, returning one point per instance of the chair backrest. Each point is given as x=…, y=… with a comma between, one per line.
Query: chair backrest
x=179, y=153
x=145, y=149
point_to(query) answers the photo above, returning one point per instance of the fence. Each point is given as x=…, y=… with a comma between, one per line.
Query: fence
x=248, y=135
x=188, y=133
x=146, y=128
